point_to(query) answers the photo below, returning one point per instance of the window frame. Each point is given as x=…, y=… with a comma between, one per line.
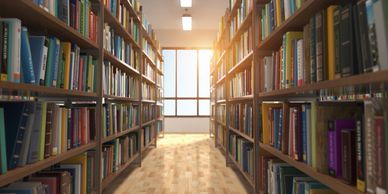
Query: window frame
x=176, y=98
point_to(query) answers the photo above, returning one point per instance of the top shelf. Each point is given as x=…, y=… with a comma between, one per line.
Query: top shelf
x=295, y=22
x=24, y=9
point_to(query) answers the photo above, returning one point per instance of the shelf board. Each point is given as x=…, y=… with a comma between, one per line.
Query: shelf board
x=245, y=136
x=148, y=123
x=21, y=89
x=243, y=27
x=295, y=22
x=107, y=180
x=223, y=54
x=44, y=21
x=221, y=123
x=120, y=64
x=242, y=98
x=152, y=41
x=242, y=63
x=336, y=184
x=149, y=80
x=220, y=101
x=160, y=118
x=147, y=101
x=21, y=172
x=119, y=134
x=246, y=176
x=221, y=80
x=132, y=11
x=361, y=79
x=119, y=28
x=149, y=59
x=118, y=98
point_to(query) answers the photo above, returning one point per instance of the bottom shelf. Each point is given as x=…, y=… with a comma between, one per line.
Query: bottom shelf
x=336, y=184
x=246, y=176
x=111, y=177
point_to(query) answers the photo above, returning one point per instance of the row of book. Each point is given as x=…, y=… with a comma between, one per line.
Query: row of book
x=221, y=69
x=42, y=60
x=149, y=50
x=242, y=12
x=241, y=83
x=148, y=70
x=159, y=64
x=159, y=126
x=242, y=47
x=74, y=175
x=119, y=117
x=148, y=91
x=242, y=152
x=339, y=41
x=220, y=90
x=275, y=13
x=121, y=12
x=346, y=143
x=121, y=48
x=221, y=130
x=159, y=79
x=34, y=131
x=150, y=31
x=240, y=118
x=147, y=135
x=149, y=112
x=117, y=82
x=118, y=153
x=77, y=14
x=159, y=95
x=221, y=113
x=279, y=177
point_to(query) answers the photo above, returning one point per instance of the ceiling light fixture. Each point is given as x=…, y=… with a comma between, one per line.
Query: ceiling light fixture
x=186, y=3
x=187, y=22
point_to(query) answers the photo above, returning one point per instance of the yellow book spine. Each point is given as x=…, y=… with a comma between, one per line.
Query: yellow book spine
x=264, y=112
x=81, y=159
x=42, y=131
x=330, y=42
x=67, y=50
x=278, y=13
x=64, y=130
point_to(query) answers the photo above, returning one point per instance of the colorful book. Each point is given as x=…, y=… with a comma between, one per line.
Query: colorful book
x=26, y=59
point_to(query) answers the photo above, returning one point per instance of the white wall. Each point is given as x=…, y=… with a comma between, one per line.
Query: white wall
x=186, y=125
x=189, y=39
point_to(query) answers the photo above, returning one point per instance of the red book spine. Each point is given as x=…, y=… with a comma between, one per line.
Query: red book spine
x=83, y=126
x=49, y=119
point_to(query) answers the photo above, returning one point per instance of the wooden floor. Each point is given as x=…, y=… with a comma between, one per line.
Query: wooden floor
x=181, y=164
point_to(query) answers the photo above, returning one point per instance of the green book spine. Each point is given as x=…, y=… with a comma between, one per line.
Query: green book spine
x=3, y=153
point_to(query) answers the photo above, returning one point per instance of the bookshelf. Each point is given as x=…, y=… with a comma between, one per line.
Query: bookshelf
x=126, y=23
x=329, y=99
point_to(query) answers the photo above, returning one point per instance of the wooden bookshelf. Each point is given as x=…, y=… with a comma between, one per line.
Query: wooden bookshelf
x=246, y=176
x=242, y=98
x=243, y=63
x=241, y=134
x=336, y=184
x=21, y=172
x=40, y=22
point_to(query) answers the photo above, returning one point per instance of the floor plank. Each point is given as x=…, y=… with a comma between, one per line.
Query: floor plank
x=181, y=164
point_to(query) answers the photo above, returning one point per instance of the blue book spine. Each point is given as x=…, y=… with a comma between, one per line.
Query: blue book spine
x=280, y=131
x=38, y=45
x=26, y=59
x=3, y=152
x=50, y=61
x=276, y=126
x=54, y=70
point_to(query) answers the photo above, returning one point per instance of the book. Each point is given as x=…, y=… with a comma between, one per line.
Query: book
x=380, y=158
x=3, y=153
x=27, y=72
x=348, y=153
x=370, y=142
x=39, y=48
x=13, y=48
x=348, y=46
x=360, y=150
x=381, y=24
x=4, y=54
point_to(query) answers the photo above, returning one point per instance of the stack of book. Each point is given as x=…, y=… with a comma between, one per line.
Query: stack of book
x=76, y=14
x=42, y=60
x=243, y=46
x=148, y=135
x=148, y=71
x=119, y=83
x=34, y=131
x=74, y=175
x=280, y=177
x=117, y=153
x=241, y=118
x=241, y=83
x=148, y=112
x=119, y=117
x=338, y=41
x=242, y=152
x=120, y=48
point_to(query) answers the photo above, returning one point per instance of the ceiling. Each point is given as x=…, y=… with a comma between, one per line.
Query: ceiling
x=166, y=14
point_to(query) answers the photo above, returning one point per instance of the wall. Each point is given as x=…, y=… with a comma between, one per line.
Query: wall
x=179, y=38
x=186, y=125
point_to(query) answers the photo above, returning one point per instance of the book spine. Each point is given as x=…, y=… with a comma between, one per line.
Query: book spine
x=331, y=148
x=348, y=155
x=4, y=56
x=380, y=158
x=49, y=129
x=360, y=157
x=370, y=142
x=319, y=45
x=313, y=60
x=26, y=59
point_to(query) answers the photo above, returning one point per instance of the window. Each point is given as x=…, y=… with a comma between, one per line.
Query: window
x=187, y=82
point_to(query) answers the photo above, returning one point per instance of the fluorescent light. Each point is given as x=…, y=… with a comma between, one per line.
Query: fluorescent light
x=186, y=3
x=186, y=22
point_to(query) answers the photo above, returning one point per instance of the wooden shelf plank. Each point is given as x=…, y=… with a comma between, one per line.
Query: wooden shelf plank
x=243, y=27
x=21, y=89
x=147, y=123
x=242, y=98
x=120, y=134
x=221, y=123
x=221, y=80
x=149, y=80
x=120, y=64
x=111, y=177
x=220, y=101
x=334, y=183
x=361, y=79
x=147, y=101
x=241, y=64
x=44, y=21
x=21, y=172
x=118, y=98
x=239, y=133
x=295, y=22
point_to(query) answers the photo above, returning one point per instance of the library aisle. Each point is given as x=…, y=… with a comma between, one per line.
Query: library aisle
x=181, y=164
